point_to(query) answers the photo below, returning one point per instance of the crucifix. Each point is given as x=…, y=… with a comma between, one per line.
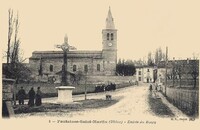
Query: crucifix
x=65, y=47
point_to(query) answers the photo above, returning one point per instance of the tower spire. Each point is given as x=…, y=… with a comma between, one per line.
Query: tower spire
x=109, y=20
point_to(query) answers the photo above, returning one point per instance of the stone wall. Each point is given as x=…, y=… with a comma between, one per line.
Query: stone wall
x=7, y=97
x=111, y=79
x=48, y=89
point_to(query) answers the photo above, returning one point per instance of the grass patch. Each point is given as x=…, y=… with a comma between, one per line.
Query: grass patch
x=158, y=107
x=80, y=106
x=97, y=103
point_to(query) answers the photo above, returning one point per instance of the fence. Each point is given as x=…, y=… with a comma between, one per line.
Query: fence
x=184, y=82
x=185, y=100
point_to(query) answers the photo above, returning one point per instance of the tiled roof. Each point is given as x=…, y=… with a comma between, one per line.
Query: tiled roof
x=70, y=54
x=170, y=63
x=181, y=62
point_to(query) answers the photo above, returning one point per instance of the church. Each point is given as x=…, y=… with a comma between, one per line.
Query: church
x=93, y=63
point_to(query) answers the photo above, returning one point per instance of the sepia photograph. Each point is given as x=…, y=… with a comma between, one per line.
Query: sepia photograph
x=91, y=64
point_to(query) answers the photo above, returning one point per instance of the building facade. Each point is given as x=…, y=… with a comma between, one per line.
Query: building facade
x=101, y=62
x=145, y=74
x=179, y=73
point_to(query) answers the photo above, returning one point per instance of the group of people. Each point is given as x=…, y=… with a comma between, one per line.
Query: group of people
x=155, y=87
x=103, y=87
x=35, y=98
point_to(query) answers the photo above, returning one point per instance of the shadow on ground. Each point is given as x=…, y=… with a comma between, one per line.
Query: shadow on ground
x=79, y=106
x=158, y=107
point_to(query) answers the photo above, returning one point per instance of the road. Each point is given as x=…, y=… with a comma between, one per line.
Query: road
x=132, y=104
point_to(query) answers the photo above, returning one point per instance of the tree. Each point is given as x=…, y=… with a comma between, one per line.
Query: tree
x=156, y=56
x=125, y=68
x=15, y=68
x=159, y=55
x=78, y=76
x=139, y=62
x=194, y=70
x=10, y=32
x=173, y=72
x=163, y=56
x=179, y=70
x=150, y=59
x=120, y=61
x=119, y=67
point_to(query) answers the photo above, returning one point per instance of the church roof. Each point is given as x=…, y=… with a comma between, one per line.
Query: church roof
x=70, y=54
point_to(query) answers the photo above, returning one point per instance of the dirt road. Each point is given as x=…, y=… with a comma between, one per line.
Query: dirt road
x=133, y=104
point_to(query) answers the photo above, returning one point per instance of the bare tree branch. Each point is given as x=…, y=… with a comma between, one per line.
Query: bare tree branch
x=10, y=31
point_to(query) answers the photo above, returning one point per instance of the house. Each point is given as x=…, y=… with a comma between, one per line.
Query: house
x=145, y=74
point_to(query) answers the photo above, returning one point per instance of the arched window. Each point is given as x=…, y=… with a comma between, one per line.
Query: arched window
x=51, y=68
x=112, y=36
x=86, y=68
x=98, y=67
x=108, y=35
x=74, y=68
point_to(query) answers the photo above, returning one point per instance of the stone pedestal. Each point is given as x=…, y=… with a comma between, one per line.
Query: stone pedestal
x=65, y=94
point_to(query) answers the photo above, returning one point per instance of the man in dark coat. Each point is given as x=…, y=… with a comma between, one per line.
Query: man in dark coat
x=150, y=87
x=31, y=94
x=21, y=95
x=38, y=98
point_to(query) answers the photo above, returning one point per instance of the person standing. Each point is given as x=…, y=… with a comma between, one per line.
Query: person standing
x=21, y=95
x=38, y=100
x=31, y=94
x=150, y=87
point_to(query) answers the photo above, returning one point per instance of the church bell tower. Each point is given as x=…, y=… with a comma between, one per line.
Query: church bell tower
x=109, y=41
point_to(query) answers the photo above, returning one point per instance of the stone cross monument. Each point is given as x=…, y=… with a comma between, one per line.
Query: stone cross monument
x=65, y=47
x=65, y=91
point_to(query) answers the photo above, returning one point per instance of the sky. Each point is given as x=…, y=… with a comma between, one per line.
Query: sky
x=143, y=25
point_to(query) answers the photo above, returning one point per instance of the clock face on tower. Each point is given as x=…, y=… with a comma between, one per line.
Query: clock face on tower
x=109, y=44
